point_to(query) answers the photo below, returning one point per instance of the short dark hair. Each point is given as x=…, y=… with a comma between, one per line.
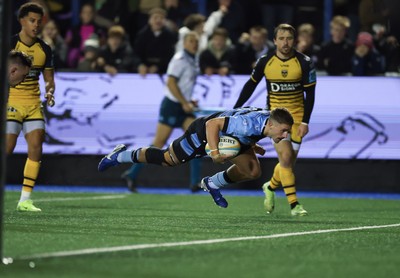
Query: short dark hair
x=19, y=57
x=192, y=20
x=259, y=29
x=220, y=32
x=282, y=116
x=30, y=7
x=285, y=27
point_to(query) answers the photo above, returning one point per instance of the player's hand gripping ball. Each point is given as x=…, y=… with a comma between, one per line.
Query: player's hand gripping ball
x=227, y=146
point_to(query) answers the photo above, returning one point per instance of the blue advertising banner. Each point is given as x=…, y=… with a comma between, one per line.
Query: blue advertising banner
x=354, y=117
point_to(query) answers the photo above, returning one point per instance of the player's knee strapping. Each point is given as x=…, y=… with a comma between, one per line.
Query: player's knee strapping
x=156, y=156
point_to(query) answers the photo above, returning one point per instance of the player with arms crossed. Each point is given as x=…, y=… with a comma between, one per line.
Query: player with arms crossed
x=248, y=125
x=291, y=81
x=24, y=109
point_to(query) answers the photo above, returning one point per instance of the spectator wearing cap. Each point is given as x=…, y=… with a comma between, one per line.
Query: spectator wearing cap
x=117, y=55
x=367, y=61
x=336, y=53
x=90, y=54
x=154, y=44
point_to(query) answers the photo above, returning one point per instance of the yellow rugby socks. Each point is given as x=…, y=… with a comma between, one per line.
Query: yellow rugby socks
x=288, y=184
x=275, y=181
x=31, y=172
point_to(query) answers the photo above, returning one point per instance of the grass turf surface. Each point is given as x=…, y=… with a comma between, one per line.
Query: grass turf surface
x=81, y=223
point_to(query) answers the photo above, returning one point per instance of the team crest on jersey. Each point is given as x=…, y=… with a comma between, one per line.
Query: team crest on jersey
x=284, y=72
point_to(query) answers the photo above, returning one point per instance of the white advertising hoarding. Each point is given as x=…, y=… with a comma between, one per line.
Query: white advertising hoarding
x=353, y=117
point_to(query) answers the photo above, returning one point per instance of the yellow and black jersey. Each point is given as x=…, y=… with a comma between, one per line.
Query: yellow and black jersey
x=42, y=58
x=286, y=81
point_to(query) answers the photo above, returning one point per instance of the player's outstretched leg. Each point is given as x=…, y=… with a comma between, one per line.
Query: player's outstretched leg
x=110, y=159
x=215, y=194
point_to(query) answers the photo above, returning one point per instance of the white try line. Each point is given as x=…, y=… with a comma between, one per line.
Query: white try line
x=106, y=197
x=188, y=243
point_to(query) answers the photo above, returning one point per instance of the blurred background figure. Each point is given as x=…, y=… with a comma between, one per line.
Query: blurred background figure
x=90, y=54
x=250, y=47
x=234, y=19
x=204, y=27
x=219, y=57
x=111, y=12
x=388, y=46
x=305, y=41
x=50, y=34
x=275, y=12
x=372, y=12
x=117, y=55
x=367, y=61
x=177, y=11
x=336, y=54
x=76, y=36
x=154, y=44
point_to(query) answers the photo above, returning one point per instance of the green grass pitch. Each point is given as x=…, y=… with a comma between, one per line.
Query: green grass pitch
x=104, y=224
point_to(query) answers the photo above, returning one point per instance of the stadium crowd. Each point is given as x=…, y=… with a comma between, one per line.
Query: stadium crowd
x=139, y=36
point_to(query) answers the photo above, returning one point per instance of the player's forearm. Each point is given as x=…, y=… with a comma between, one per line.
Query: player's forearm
x=48, y=76
x=213, y=127
x=308, y=104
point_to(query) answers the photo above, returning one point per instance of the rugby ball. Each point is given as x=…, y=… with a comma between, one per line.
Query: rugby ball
x=227, y=146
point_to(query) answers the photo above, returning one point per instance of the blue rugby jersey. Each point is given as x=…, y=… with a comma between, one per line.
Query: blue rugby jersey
x=245, y=124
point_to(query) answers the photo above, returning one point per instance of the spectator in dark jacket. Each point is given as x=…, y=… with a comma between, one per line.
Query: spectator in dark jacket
x=335, y=55
x=219, y=57
x=389, y=47
x=250, y=48
x=305, y=41
x=117, y=55
x=155, y=44
x=367, y=61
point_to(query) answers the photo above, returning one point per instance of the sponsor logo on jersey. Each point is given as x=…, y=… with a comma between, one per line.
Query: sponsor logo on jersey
x=285, y=87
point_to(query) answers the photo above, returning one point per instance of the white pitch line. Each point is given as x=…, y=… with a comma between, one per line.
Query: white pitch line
x=194, y=242
x=106, y=197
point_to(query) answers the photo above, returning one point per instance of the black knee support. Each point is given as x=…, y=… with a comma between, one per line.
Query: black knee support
x=155, y=156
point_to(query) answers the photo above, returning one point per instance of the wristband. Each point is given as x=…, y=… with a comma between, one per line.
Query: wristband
x=303, y=123
x=212, y=152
